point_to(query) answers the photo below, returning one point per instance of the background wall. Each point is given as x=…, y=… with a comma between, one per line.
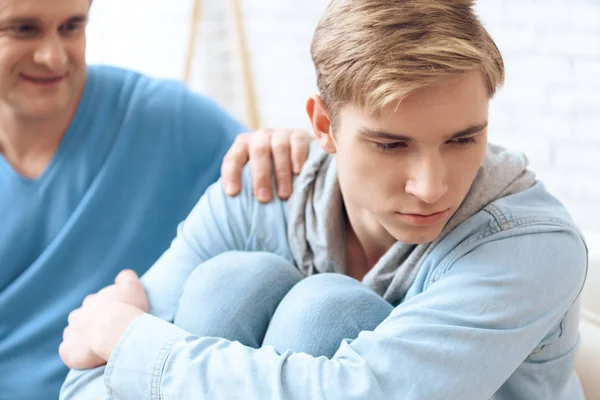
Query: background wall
x=549, y=107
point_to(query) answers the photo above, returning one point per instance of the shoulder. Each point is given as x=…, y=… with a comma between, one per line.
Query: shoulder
x=127, y=96
x=108, y=79
x=269, y=220
x=165, y=110
x=534, y=207
x=153, y=96
x=263, y=225
x=533, y=210
x=528, y=236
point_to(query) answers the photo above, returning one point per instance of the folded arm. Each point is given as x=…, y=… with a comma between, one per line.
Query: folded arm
x=463, y=337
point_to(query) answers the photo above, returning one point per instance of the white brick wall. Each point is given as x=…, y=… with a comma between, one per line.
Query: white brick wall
x=549, y=107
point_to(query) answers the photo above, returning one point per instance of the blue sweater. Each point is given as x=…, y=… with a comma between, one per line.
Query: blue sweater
x=137, y=156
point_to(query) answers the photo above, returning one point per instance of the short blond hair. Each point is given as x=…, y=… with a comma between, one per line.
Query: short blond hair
x=370, y=53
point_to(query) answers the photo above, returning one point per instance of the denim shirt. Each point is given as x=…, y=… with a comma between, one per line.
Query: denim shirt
x=493, y=313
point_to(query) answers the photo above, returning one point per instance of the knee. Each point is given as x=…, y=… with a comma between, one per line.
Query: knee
x=322, y=310
x=333, y=294
x=239, y=270
x=240, y=266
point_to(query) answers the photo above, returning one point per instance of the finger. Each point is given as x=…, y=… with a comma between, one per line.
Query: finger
x=71, y=334
x=280, y=147
x=76, y=354
x=73, y=316
x=300, y=143
x=67, y=333
x=108, y=292
x=129, y=281
x=89, y=299
x=69, y=354
x=127, y=276
x=233, y=165
x=63, y=352
x=130, y=290
x=260, y=165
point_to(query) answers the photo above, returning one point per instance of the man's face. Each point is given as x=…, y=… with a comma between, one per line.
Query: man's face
x=408, y=170
x=42, y=55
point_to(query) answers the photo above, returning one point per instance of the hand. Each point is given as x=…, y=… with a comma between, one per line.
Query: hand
x=288, y=149
x=75, y=351
x=127, y=289
x=94, y=330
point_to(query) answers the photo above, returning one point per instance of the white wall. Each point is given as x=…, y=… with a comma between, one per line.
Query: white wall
x=549, y=108
x=550, y=105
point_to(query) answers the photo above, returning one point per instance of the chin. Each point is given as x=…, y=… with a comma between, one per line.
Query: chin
x=44, y=110
x=417, y=235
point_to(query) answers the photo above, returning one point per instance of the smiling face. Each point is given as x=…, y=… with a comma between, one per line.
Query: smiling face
x=42, y=56
x=404, y=173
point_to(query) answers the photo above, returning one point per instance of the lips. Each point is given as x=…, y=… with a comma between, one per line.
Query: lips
x=424, y=214
x=424, y=219
x=43, y=79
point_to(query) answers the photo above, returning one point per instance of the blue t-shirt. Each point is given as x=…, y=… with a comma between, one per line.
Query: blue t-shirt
x=137, y=156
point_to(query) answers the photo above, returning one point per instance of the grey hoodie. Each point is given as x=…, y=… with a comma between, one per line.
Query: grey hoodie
x=316, y=229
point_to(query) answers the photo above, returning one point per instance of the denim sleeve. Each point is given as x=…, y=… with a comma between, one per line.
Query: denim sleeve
x=84, y=384
x=461, y=338
x=217, y=224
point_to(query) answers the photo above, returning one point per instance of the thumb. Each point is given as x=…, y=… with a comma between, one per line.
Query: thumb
x=132, y=290
x=127, y=276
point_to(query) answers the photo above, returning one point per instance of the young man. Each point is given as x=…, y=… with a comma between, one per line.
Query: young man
x=97, y=167
x=413, y=260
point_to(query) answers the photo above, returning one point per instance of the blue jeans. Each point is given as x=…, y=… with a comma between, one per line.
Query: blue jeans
x=260, y=299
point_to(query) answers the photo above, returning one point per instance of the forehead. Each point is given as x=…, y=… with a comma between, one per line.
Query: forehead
x=442, y=109
x=43, y=10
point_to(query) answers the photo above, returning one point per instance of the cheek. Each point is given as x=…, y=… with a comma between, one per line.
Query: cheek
x=463, y=171
x=369, y=178
x=357, y=163
x=76, y=51
x=11, y=56
x=354, y=173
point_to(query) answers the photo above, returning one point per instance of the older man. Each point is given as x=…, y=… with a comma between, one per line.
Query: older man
x=98, y=165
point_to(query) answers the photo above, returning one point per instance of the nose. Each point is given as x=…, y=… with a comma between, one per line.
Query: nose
x=427, y=179
x=51, y=53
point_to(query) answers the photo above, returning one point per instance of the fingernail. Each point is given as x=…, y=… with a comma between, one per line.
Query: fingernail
x=284, y=190
x=264, y=195
x=297, y=168
x=230, y=189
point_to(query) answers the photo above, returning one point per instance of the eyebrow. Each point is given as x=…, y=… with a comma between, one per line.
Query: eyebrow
x=20, y=21
x=32, y=20
x=378, y=134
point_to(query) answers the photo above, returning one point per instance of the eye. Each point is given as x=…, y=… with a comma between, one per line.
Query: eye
x=23, y=30
x=70, y=27
x=463, y=141
x=390, y=146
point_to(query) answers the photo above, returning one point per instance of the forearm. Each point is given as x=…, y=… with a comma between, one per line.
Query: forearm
x=171, y=363
x=445, y=343
x=84, y=385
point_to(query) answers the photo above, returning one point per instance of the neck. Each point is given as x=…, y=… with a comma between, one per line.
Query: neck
x=367, y=241
x=28, y=144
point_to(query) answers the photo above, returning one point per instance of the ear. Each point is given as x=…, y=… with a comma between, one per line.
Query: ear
x=321, y=124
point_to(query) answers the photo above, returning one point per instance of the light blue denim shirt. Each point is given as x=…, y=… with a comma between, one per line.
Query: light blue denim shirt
x=493, y=313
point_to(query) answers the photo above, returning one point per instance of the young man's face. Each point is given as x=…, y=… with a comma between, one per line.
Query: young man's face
x=42, y=55
x=406, y=172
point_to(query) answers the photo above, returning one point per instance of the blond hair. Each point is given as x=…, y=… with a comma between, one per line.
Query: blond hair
x=370, y=53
